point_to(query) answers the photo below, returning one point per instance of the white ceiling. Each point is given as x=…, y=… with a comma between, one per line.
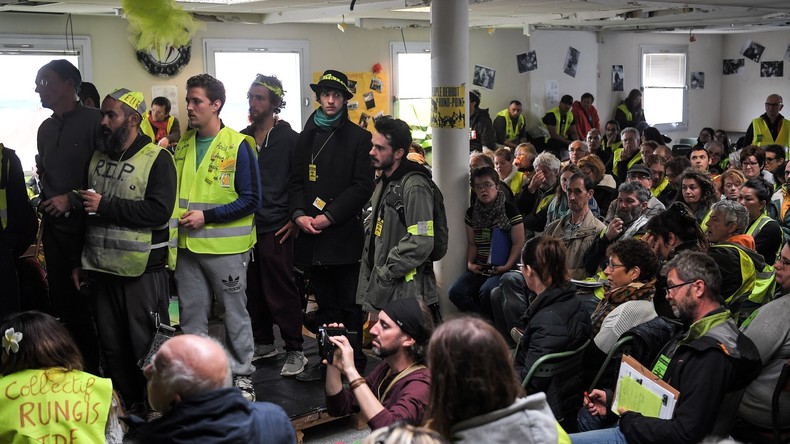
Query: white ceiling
x=595, y=15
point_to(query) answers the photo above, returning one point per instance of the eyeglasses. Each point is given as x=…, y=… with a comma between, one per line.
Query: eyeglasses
x=749, y=164
x=612, y=265
x=770, y=159
x=672, y=287
x=783, y=261
x=484, y=186
x=773, y=104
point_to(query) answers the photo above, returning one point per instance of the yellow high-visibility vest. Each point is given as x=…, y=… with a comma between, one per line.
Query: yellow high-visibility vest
x=149, y=130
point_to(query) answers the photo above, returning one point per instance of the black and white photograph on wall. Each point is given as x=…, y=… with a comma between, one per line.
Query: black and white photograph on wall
x=527, y=61
x=364, y=118
x=352, y=86
x=617, y=77
x=370, y=102
x=572, y=61
x=353, y=105
x=484, y=77
x=733, y=66
x=787, y=52
x=697, y=80
x=375, y=84
x=752, y=50
x=772, y=69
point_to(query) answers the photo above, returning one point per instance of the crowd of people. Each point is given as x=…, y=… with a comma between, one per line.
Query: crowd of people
x=571, y=245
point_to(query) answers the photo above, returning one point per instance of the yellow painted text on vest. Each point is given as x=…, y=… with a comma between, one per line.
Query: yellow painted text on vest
x=34, y=413
x=112, y=170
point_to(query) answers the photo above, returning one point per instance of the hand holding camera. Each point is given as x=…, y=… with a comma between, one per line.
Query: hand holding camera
x=334, y=346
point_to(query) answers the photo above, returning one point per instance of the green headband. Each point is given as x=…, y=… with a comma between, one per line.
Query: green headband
x=275, y=89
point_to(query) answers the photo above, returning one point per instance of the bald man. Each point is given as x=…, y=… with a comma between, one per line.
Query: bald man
x=771, y=127
x=189, y=381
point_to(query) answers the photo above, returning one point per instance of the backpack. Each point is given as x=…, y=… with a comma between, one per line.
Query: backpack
x=440, y=230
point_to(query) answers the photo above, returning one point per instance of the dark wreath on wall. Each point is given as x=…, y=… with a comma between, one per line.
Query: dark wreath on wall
x=175, y=61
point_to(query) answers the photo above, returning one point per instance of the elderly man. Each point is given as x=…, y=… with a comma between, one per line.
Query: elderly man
x=134, y=192
x=770, y=332
x=509, y=125
x=747, y=280
x=771, y=127
x=397, y=389
x=533, y=202
x=629, y=155
x=189, y=381
x=717, y=159
x=644, y=176
x=580, y=227
x=626, y=217
x=576, y=150
x=704, y=364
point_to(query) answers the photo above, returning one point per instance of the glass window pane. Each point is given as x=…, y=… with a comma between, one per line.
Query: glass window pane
x=666, y=70
x=21, y=112
x=413, y=103
x=664, y=105
x=237, y=70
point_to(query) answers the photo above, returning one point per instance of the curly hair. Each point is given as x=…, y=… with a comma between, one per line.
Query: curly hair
x=632, y=253
x=274, y=82
x=705, y=183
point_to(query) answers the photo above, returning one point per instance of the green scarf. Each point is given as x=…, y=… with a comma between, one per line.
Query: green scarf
x=325, y=122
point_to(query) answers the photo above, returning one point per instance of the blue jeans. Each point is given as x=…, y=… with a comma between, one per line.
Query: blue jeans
x=603, y=436
x=472, y=292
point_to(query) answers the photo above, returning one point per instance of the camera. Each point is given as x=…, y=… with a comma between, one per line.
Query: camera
x=326, y=349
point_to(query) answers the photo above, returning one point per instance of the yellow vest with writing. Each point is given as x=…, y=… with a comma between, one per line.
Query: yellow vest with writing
x=211, y=185
x=510, y=132
x=148, y=129
x=3, y=198
x=762, y=135
x=53, y=406
x=563, y=132
x=115, y=249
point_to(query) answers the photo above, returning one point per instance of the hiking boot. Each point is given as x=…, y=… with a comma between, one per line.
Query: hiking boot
x=313, y=372
x=244, y=383
x=264, y=351
x=294, y=363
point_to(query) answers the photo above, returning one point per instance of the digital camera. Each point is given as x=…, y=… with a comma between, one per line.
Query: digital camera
x=326, y=349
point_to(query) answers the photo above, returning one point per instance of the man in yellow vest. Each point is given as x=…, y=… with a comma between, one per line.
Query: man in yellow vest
x=509, y=125
x=159, y=125
x=627, y=156
x=771, y=127
x=219, y=190
x=559, y=123
x=127, y=240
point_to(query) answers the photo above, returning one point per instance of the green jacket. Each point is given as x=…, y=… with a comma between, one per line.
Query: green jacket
x=395, y=262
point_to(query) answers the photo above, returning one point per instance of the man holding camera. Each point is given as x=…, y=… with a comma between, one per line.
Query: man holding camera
x=397, y=389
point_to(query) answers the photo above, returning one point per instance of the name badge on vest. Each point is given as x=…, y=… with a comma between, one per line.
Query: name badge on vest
x=379, y=227
x=318, y=203
x=311, y=173
x=224, y=180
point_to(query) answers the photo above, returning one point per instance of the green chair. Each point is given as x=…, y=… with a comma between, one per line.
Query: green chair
x=622, y=347
x=557, y=364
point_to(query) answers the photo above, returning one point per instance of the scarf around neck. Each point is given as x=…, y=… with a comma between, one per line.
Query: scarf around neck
x=325, y=122
x=491, y=217
x=635, y=291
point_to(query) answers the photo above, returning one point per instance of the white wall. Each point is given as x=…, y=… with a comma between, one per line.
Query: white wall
x=743, y=95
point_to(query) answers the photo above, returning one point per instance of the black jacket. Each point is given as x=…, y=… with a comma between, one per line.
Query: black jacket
x=344, y=183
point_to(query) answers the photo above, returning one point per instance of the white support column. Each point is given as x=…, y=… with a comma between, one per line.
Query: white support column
x=449, y=69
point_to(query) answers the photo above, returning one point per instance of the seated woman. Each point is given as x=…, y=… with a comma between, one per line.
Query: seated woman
x=605, y=185
x=48, y=398
x=554, y=321
x=705, y=136
x=755, y=195
x=752, y=161
x=486, y=221
x=481, y=400
x=698, y=192
x=558, y=207
x=730, y=182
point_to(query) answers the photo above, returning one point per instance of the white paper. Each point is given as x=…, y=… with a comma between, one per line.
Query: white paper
x=171, y=93
x=667, y=407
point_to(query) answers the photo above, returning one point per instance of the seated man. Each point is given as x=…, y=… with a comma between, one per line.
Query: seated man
x=509, y=125
x=157, y=123
x=770, y=332
x=558, y=121
x=711, y=359
x=397, y=389
x=189, y=381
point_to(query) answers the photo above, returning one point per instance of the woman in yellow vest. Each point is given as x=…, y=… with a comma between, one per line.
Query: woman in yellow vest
x=755, y=195
x=630, y=112
x=46, y=397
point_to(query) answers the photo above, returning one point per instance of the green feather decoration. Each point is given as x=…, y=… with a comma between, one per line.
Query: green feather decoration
x=158, y=25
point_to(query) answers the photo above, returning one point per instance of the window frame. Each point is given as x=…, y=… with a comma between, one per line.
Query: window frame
x=668, y=49
x=54, y=45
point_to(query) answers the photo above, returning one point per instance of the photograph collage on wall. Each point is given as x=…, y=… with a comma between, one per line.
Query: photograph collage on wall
x=572, y=61
x=772, y=69
x=527, y=61
x=484, y=77
x=733, y=66
x=617, y=77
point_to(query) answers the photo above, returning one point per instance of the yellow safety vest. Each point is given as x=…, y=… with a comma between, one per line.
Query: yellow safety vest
x=53, y=406
x=3, y=198
x=660, y=188
x=758, y=225
x=568, y=121
x=515, y=183
x=210, y=185
x=629, y=116
x=757, y=286
x=618, y=155
x=762, y=135
x=510, y=132
x=115, y=249
x=149, y=130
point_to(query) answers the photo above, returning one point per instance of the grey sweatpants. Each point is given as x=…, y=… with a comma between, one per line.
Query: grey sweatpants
x=198, y=276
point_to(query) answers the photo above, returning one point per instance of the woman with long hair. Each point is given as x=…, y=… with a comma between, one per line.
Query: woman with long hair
x=605, y=186
x=699, y=193
x=42, y=366
x=630, y=113
x=755, y=195
x=476, y=395
x=494, y=237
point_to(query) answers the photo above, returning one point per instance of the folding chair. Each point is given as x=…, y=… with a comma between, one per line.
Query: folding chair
x=622, y=347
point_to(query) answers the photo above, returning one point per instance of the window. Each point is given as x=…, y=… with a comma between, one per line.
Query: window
x=236, y=62
x=664, y=77
x=412, y=69
x=21, y=112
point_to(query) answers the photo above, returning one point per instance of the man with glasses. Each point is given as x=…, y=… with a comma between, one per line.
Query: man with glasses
x=533, y=202
x=771, y=127
x=627, y=156
x=576, y=150
x=708, y=364
x=775, y=161
x=715, y=153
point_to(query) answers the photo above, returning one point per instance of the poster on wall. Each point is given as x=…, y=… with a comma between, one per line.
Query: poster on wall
x=572, y=61
x=527, y=61
x=697, y=80
x=772, y=69
x=733, y=66
x=752, y=50
x=367, y=102
x=484, y=77
x=787, y=52
x=448, y=107
x=552, y=93
x=617, y=77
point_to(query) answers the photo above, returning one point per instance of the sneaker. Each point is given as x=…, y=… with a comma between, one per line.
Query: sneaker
x=264, y=351
x=294, y=363
x=516, y=334
x=244, y=383
x=313, y=372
